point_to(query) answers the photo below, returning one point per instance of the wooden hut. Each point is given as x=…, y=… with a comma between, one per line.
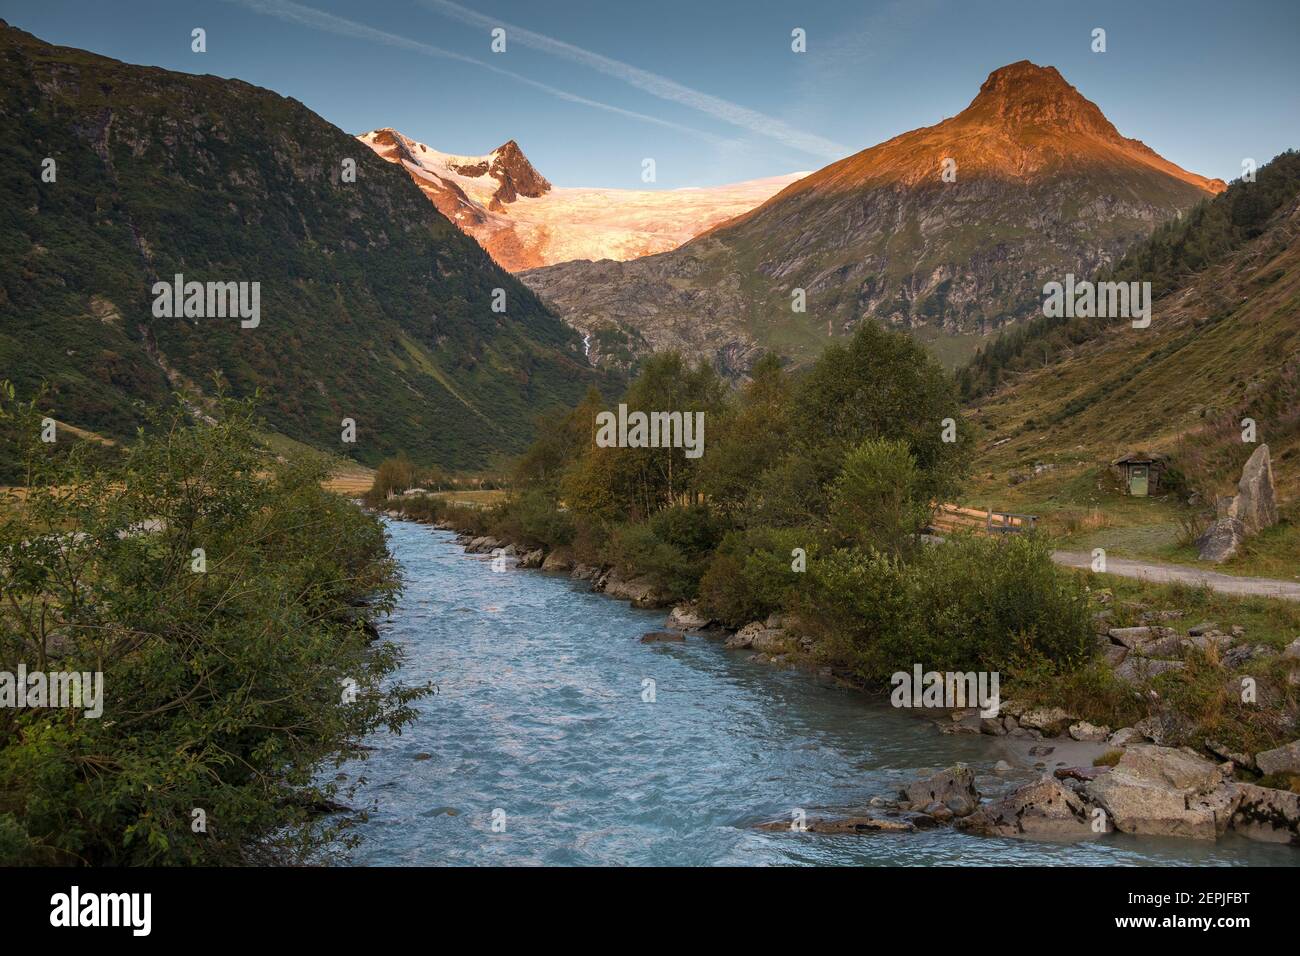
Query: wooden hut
x=1139, y=472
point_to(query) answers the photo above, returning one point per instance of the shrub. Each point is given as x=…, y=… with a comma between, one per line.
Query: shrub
x=750, y=575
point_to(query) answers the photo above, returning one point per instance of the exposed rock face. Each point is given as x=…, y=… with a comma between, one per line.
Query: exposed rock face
x=881, y=236
x=1252, y=509
x=532, y=559
x=482, y=195
x=1046, y=809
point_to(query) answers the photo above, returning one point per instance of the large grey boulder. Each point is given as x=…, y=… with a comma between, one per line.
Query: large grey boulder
x=1046, y=809
x=1272, y=816
x=1284, y=759
x=1255, y=504
x=758, y=636
x=1252, y=509
x=954, y=788
x=641, y=591
x=1166, y=792
x=1051, y=721
x=557, y=561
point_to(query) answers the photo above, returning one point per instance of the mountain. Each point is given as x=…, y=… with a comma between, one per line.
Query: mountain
x=525, y=222
x=1044, y=185
x=373, y=306
x=1223, y=345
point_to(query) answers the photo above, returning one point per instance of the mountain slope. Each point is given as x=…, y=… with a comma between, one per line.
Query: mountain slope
x=525, y=222
x=1223, y=344
x=1044, y=185
x=373, y=306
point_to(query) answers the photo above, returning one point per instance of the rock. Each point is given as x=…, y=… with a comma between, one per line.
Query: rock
x=557, y=561
x=1166, y=643
x=954, y=788
x=1284, y=759
x=1238, y=630
x=872, y=823
x=641, y=591
x=1252, y=509
x=688, y=617
x=1292, y=651
x=1086, y=731
x=1221, y=540
x=1165, y=792
x=1011, y=708
x=1130, y=637
x=1203, y=642
x=1137, y=669
x=1125, y=736
x=993, y=726
x=775, y=620
x=661, y=637
x=532, y=559
x=1045, y=808
x=1272, y=816
x=1002, y=767
x=1223, y=753
x=1010, y=724
x=759, y=637
x=1052, y=721
x=1114, y=654
x=1079, y=773
x=970, y=723
x=1156, y=728
x=585, y=572
x=1242, y=654
x=1203, y=628
x=1041, y=751
x=1255, y=504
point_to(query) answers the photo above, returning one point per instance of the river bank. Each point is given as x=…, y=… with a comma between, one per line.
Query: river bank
x=1023, y=762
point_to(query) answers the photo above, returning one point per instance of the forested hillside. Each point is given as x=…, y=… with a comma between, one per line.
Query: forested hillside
x=372, y=305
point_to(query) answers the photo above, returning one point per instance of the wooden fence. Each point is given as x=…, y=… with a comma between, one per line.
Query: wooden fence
x=951, y=519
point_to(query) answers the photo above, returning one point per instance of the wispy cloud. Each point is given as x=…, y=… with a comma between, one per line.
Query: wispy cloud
x=328, y=22
x=653, y=83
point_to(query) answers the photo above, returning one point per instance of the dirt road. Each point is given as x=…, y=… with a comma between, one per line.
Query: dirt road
x=1171, y=573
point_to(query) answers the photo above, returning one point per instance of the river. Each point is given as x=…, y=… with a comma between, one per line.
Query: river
x=542, y=751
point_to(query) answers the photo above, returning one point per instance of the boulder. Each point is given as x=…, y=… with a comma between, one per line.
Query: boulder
x=688, y=617
x=1252, y=509
x=1272, y=816
x=1086, y=731
x=1136, y=669
x=557, y=561
x=1114, y=654
x=1221, y=540
x=1238, y=758
x=1125, y=736
x=1165, y=792
x=585, y=572
x=532, y=559
x=641, y=591
x=759, y=637
x=1292, y=651
x=954, y=788
x=1284, y=759
x=1130, y=637
x=1052, y=721
x=1045, y=809
x=1255, y=504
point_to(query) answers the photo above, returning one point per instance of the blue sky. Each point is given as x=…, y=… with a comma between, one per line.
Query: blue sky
x=711, y=90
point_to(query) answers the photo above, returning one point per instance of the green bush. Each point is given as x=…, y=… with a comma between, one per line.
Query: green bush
x=222, y=681
x=751, y=574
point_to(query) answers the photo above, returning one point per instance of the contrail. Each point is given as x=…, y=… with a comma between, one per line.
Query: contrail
x=317, y=19
x=654, y=84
